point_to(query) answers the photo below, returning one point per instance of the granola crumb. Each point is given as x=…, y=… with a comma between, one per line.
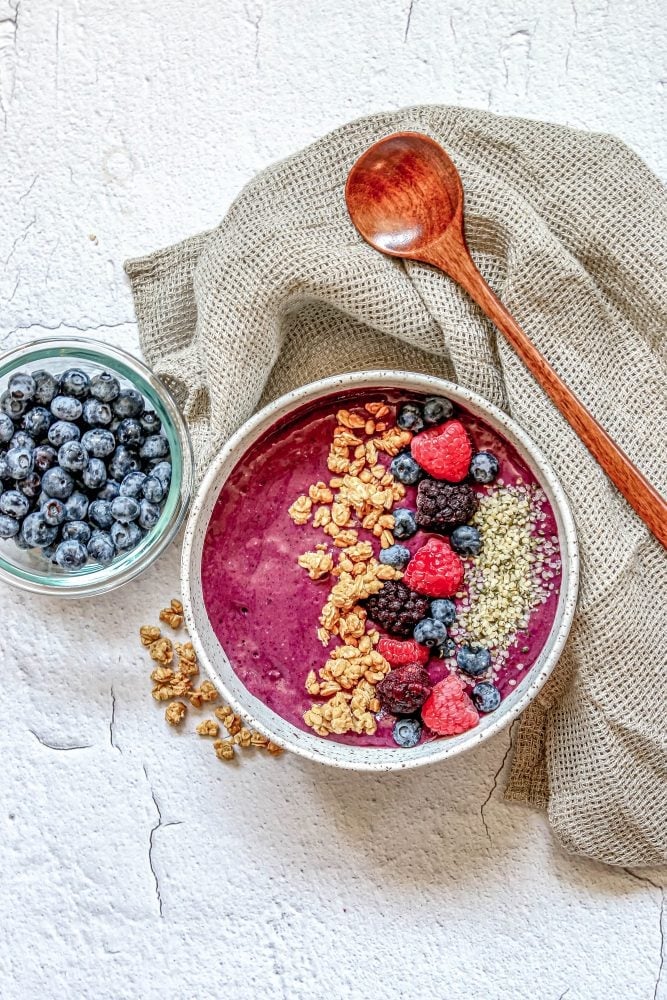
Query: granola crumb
x=175, y=713
x=208, y=728
x=173, y=615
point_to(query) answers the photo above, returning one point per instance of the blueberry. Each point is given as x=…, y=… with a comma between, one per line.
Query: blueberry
x=125, y=509
x=31, y=486
x=101, y=548
x=129, y=432
x=95, y=474
x=4, y=468
x=109, y=491
x=57, y=483
x=128, y=403
x=125, y=536
x=11, y=407
x=96, y=413
x=150, y=422
x=466, y=540
x=44, y=456
x=71, y=554
x=430, y=632
x=22, y=386
x=53, y=511
x=74, y=382
x=6, y=428
x=63, y=431
x=37, y=422
x=473, y=660
x=104, y=386
x=20, y=542
x=153, y=489
x=20, y=462
x=485, y=696
x=132, y=484
x=45, y=387
x=443, y=610
x=396, y=555
x=36, y=532
x=76, y=507
x=98, y=442
x=162, y=472
x=149, y=514
x=405, y=525
x=66, y=408
x=78, y=530
x=121, y=462
x=23, y=440
x=73, y=456
x=154, y=446
x=100, y=514
x=407, y=732
x=410, y=418
x=9, y=526
x=484, y=467
x=445, y=650
x=405, y=469
x=437, y=409
x=15, y=504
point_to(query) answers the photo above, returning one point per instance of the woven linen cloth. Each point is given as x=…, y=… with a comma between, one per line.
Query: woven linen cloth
x=570, y=230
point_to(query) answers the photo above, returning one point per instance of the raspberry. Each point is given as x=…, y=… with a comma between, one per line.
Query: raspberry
x=444, y=451
x=434, y=569
x=396, y=608
x=441, y=506
x=448, y=710
x=398, y=652
x=405, y=689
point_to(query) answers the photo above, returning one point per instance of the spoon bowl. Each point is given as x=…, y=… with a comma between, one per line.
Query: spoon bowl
x=404, y=193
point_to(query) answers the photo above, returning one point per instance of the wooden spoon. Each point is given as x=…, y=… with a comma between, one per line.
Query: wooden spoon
x=405, y=197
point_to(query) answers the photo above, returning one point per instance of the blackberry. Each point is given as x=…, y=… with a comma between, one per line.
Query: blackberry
x=405, y=689
x=396, y=608
x=441, y=506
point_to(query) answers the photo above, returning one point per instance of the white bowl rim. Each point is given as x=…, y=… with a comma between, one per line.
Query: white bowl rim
x=364, y=758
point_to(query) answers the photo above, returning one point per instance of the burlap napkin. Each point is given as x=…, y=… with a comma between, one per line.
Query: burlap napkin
x=570, y=230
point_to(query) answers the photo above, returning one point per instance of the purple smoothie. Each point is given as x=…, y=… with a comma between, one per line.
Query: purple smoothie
x=262, y=605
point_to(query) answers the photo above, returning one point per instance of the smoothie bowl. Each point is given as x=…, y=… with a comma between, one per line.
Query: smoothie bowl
x=380, y=570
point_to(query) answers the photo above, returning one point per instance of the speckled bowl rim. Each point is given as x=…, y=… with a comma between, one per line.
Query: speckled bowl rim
x=211, y=653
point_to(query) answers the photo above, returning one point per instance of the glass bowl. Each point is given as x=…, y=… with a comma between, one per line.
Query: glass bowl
x=32, y=571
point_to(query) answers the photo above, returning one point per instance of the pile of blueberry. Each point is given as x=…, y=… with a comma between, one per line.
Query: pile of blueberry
x=84, y=466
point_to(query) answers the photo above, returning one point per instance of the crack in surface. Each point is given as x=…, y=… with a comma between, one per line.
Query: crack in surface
x=661, y=889
x=453, y=29
x=25, y=194
x=20, y=239
x=56, y=746
x=151, y=841
x=495, y=781
x=112, y=723
x=564, y=993
x=255, y=22
x=408, y=19
x=7, y=57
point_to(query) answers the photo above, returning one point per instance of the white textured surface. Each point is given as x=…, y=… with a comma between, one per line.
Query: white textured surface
x=133, y=863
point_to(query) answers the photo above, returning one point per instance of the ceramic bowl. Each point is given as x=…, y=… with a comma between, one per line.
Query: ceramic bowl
x=213, y=656
x=30, y=569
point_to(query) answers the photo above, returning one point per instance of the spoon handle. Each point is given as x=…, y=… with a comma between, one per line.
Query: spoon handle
x=640, y=494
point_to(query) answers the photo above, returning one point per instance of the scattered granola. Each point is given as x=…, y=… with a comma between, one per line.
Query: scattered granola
x=174, y=681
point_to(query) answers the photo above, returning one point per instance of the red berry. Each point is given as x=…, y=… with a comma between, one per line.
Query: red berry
x=403, y=690
x=435, y=569
x=399, y=652
x=444, y=452
x=448, y=710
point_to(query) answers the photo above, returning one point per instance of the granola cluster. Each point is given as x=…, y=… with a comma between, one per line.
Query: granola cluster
x=361, y=495
x=172, y=680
